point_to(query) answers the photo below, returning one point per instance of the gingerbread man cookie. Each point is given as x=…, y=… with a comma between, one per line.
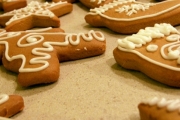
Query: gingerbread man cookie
x=129, y=16
x=9, y=5
x=10, y=105
x=159, y=109
x=36, y=56
x=35, y=14
x=154, y=51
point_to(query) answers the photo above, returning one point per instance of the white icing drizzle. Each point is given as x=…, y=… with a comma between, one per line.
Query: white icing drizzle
x=171, y=105
x=99, y=1
x=35, y=38
x=102, y=9
x=3, y=98
x=151, y=48
x=129, y=43
x=134, y=8
x=39, y=30
x=33, y=8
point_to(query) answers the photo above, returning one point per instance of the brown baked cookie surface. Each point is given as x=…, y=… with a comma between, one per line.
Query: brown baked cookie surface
x=35, y=15
x=9, y=5
x=154, y=51
x=10, y=105
x=36, y=56
x=159, y=109
x=128, y=16
x=95, y=3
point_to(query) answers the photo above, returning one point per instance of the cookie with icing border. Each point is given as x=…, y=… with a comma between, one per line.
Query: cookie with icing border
x=9, y=5
x=10, y=105
x=129, y=16
x=36, y=56
x=35, y=14
x=159, y=109
x=94, y=3
x=154, y=51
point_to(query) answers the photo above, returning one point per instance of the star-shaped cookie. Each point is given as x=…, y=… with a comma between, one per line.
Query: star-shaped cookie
x=35, y=56
x=35, y=14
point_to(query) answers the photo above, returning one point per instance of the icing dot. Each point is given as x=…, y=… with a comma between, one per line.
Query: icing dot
x=31, y=40
x=151, y=48
x=174, y=37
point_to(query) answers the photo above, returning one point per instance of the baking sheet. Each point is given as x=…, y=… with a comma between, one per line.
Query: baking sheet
x=88, y=89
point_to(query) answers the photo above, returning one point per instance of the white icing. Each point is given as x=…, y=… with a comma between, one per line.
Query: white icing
x=151, y=48
x=134, y=8
x=129, y=43
x=173, y=37
x=102, y=9
x=171, y=105
x=3, y=98
x=99, y=1
x=33, y=8
x=42, y=56
x=40, y=29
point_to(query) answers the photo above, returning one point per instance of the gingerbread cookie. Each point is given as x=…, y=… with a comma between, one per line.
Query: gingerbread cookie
x=128, y=16
x=36, y=56
x=159, y=109
x=154, y=51
x=35, y=15
x=10, y=105
x=9, y=5
x=95, y=3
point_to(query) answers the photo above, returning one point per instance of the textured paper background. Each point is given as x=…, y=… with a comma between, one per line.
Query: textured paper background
x=88, y=89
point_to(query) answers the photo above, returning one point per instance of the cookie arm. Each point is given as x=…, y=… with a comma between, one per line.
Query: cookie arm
x=14, y=105
x=33, y=21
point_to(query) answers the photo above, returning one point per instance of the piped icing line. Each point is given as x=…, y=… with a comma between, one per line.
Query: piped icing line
x=99, y=1
x=39, y=30
x=145, y=36
x=33, y=8
x=171, y=105
x=35, y=38
x=3, y=98
x=106, y=7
